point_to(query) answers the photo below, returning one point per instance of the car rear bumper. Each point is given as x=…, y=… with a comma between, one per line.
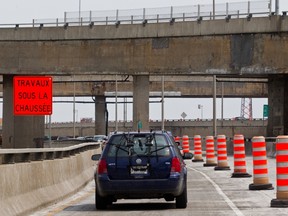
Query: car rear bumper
x=141, y=188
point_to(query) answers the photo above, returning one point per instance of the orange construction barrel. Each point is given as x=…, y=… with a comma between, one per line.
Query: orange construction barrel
x=197, y=149
x=185, y=144
x=260, y=169
x=222, y=162
x=239, y=157
x=282, y=172
x=210, y=152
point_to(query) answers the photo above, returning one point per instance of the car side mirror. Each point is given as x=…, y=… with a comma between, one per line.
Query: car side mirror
x=95, y=157
x=179, y=145
x=187, y=156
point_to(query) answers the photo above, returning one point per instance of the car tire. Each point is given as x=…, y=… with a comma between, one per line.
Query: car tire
x=181, y=201
x=100, y=202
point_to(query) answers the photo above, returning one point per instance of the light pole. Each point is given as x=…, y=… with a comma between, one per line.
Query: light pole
x=213, y=9
x=79, y=12
x=116, y=103
x=74, y=110
x=214, y=107
x=162, y=104
x=276, y=7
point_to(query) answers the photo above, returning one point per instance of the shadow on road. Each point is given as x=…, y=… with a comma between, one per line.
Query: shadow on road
x=141, y=206
x=124, y=207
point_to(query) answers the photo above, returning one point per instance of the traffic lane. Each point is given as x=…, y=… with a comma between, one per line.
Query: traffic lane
x=209, y=193
x=198, y=189
x=204, y=196
x=203, y=199
x=248, y=202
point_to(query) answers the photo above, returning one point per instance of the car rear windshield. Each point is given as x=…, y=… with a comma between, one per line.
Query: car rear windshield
x=124, y=145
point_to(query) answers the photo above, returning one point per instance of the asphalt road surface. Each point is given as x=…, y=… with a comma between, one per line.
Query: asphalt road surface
x=210, y=192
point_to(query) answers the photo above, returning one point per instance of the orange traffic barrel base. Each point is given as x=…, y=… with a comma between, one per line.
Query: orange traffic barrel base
x=279, y=203
x=241, y=175
x=222, y=168
x=197, y=160
x=261, y=187
x=209, y=164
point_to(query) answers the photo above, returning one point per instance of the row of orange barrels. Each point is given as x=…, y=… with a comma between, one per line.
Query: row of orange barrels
x=260, y=169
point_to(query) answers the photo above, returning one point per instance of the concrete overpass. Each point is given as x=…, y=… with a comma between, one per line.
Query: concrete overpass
x=187, y=86
x=37, y=178
x=226, y=48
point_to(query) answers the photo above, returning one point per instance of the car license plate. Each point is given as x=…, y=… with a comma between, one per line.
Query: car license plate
x=139, y=170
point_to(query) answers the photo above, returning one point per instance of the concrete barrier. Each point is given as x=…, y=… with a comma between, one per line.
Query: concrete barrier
x=28, y=186
x=271, y=147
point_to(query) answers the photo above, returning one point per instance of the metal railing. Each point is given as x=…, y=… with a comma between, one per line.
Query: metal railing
x=143, y=16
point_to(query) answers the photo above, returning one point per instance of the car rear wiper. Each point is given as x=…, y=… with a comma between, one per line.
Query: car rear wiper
x=156, y=147
x=119, y=146
x=129, y=144
x=149, y=144
x=156, y=150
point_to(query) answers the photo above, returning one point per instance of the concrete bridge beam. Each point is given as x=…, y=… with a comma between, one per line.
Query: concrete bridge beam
x=194, y=89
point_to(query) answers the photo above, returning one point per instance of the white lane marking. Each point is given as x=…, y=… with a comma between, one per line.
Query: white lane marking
x=220, y=192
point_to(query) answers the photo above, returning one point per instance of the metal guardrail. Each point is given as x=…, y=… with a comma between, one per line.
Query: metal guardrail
x=143, y=16
x=11, y=156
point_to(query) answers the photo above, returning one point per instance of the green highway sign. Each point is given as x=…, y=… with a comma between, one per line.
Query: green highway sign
x=265, y=110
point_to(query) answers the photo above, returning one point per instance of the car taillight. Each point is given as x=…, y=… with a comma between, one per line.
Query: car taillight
x=176, y=165
x=102, y=167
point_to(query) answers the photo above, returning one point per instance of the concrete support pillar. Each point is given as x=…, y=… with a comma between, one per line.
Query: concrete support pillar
x=100, y=119
x=278, y=105
x=19, y=131
x=141, y=102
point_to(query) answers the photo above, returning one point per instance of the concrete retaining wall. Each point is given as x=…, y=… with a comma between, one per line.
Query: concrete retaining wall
x=229, y=127
x=25, y=187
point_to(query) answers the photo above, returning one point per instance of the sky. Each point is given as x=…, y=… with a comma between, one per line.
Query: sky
x=24, y=11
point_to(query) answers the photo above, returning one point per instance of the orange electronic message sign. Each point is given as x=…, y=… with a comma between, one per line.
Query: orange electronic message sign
x=32, y=95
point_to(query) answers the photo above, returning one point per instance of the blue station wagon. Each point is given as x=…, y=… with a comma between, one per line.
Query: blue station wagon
x=141, y=165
